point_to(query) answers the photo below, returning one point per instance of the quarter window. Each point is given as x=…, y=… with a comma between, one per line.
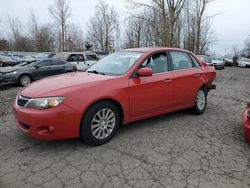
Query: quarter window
x=157, y=62
x=91, y=57
x=181, y=60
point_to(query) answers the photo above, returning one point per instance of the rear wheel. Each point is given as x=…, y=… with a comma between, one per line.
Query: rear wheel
x=25, y=80
x=200, y=101
x=100, y=123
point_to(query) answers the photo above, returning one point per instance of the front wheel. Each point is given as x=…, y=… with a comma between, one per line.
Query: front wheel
x=25, y=80
x=100, y=123
x=200, y=101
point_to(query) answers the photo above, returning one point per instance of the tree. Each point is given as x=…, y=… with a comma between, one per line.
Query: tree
x=101, y=27
x=61, y=12
x=75, y=39
x=88, y=45
x=197, y=33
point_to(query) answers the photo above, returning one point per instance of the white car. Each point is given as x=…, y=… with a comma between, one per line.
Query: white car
x=217, y=62
x=244, y=62
x=82, y=60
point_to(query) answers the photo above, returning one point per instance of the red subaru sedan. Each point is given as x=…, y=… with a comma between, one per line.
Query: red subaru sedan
x=246, y=122
x=123, y=87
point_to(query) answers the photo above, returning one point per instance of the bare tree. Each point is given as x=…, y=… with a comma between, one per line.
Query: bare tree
x=75, y=39
x=174, y=8
x=61, y=12
x=101, y=28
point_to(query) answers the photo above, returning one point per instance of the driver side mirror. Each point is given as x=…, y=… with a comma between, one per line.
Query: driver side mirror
x=145, y=71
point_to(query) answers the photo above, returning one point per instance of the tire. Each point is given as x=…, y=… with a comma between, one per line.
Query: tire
x=100, y=123
x=200, y=101
x=25, y=80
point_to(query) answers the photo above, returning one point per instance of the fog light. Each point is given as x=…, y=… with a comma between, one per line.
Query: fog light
x=45, y=130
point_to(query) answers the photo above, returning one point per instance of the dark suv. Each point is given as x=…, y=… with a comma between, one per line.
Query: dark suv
x=24, y=75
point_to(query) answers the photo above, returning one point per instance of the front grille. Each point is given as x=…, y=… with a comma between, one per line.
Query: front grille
x=22, y=101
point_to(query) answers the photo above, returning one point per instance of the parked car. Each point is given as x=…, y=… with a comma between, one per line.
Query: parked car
x=244, y=62
x=24, y=75
x=228, y=60
x=82, y=60
x=17, y=59
x=246, y=122
x=6, y=61
x=50, y=55
x=218, y=62
x=206, y=59
x=120, y=88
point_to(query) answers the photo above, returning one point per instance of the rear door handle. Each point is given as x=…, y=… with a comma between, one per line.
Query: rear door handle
x=168, y=80
x=196, y=74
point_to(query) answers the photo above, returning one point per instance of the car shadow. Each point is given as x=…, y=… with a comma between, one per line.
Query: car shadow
x=77, y=143
x=4, y=87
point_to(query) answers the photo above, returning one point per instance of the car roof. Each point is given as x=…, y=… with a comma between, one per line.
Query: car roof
x=152, y=49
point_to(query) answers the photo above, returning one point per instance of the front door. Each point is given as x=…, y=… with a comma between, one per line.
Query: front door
x=153, y=94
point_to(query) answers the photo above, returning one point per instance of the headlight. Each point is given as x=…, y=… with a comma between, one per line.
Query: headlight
x=44, y=103
x=9, y=73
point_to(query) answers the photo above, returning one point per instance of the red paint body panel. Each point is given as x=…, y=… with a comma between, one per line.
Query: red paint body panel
x=246, y=123
x=139, y=98
x=62, y=120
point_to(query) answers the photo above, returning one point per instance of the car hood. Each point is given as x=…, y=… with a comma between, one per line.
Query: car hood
x=9, y=69
x=62, y=84
x=217, y=61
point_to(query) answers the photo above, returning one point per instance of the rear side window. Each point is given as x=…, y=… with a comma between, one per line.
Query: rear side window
x=91, y=57
x=57, y=62
x=44, y=63
x=157, y=62
x=180, y=60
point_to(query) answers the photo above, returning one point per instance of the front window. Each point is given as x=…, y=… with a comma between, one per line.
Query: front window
x=157, y=62
x=115, y=64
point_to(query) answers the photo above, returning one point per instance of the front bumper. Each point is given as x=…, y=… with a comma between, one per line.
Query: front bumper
x=218, y=66
x=8, y=79
x=246, y=125
x=56, y=123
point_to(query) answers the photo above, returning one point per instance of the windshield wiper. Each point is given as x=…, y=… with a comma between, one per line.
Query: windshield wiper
x=96, y=72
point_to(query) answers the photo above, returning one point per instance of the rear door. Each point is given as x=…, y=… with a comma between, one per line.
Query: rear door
x=153, y=94
x=187, y=78
x=58, y=67
x=42, y=70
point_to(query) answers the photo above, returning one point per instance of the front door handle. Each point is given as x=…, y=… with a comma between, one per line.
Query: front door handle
x=168, y=80
x=196, y=74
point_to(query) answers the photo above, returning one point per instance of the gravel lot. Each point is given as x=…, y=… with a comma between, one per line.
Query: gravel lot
x=175, y=150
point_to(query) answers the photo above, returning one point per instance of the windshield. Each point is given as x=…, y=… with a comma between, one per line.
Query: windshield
x=116, y=64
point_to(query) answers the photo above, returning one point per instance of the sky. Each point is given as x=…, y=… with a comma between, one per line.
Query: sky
x=231, y=25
